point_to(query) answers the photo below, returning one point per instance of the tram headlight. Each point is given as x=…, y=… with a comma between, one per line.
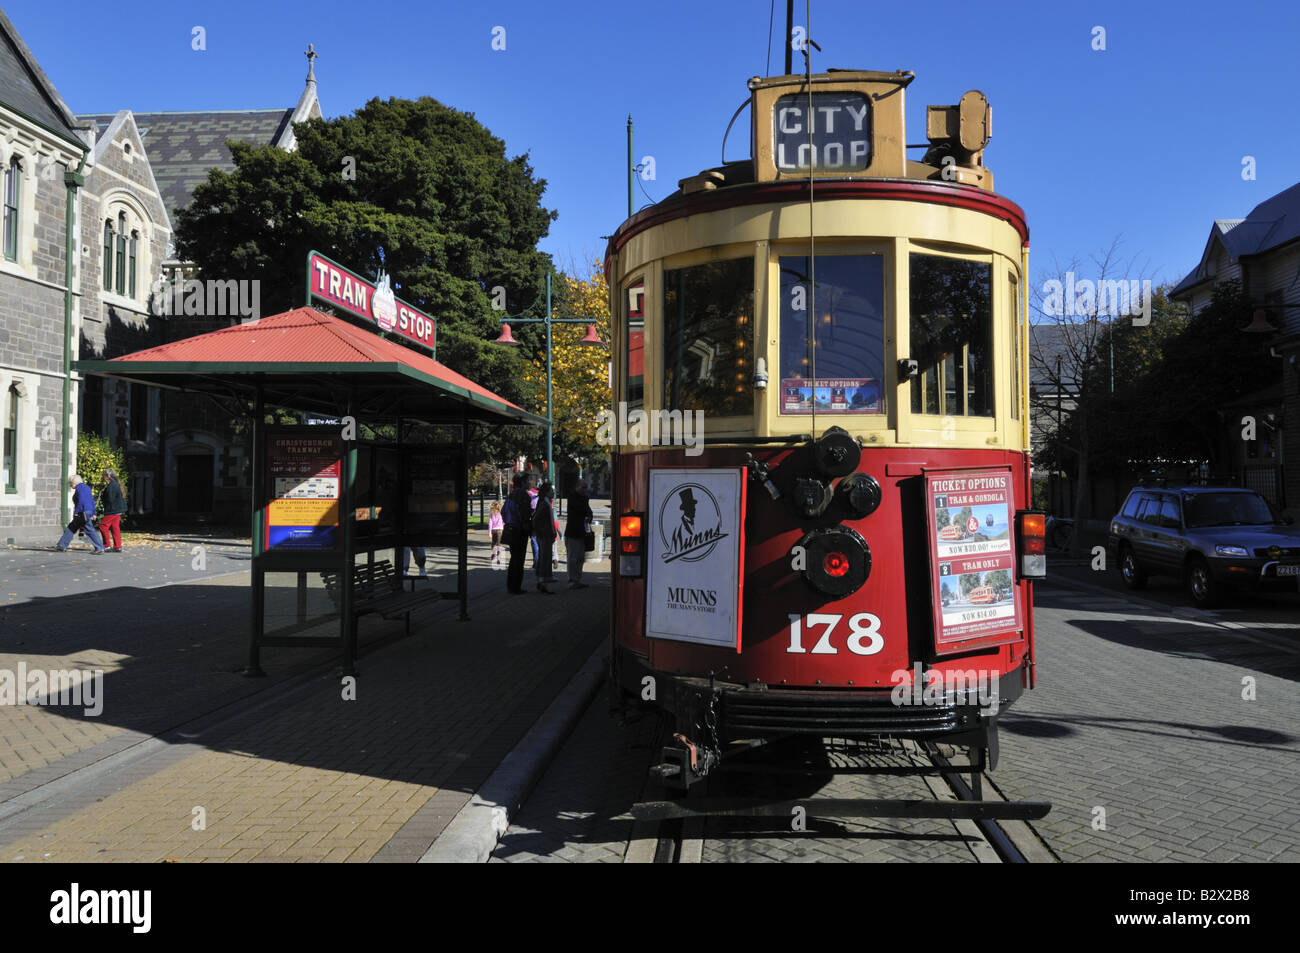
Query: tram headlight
x=631, y=545
x=810, y=497
x=837, y=562
x=836, y=453
x=859, y=494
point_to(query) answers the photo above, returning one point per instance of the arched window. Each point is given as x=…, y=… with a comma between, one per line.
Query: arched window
x=12, y=174
x=121, y=252
x=108, y=254
x=130, y=279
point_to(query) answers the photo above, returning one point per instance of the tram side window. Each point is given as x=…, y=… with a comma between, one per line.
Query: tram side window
x=951, y=328
x=845, y=315
x=634, y=356
x=709, y=338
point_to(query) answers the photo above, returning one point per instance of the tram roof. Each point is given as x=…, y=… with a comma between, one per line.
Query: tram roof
x=307, y=360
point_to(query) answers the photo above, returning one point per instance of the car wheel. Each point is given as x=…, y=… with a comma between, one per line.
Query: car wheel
x=1204, y=591
x=1133, y=575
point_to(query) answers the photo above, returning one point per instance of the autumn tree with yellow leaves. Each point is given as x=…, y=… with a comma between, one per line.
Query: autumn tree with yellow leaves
x=579, y=372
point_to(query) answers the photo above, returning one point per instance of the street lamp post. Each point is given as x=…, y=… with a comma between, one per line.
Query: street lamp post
x=592, y=338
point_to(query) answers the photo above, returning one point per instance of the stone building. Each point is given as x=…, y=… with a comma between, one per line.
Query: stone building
x=125, y=238
x=41, y=151
x=187, y=460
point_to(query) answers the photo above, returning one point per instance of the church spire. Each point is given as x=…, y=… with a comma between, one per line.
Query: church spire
x=311, y=55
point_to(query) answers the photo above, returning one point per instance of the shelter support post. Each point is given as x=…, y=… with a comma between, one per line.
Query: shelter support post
x=347, y=517
x=462, y=555
x=256, y=630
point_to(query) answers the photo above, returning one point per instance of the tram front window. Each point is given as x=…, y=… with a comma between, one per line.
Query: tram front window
x=844, y=313
x=951, y=329
x=709, y=338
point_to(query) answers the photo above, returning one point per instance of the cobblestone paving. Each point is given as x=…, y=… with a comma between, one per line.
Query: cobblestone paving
x=599, y=773
x=866, y=840
x=1140, y=715
x=298, y=772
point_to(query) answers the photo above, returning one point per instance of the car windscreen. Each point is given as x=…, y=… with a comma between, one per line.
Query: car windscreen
x=1227, y=509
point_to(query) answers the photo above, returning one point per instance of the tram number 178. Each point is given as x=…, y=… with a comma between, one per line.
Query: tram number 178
x=864, y=633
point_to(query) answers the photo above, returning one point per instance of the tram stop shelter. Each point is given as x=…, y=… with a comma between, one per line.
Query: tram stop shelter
x=322, y=497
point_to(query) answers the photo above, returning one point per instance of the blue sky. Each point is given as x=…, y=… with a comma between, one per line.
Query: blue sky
x=1143, y=141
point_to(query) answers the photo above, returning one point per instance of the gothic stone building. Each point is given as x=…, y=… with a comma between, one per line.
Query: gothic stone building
x=39, y=145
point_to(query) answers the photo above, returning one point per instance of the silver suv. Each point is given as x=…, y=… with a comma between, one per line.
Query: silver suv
x=1210, y=537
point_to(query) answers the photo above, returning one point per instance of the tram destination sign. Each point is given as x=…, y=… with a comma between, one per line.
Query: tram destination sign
x=972, y=559
x=330, y=282
x=824, y=132
x=695, y=555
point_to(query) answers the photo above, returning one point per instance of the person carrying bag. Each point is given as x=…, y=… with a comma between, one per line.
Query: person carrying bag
x=578, y=537
x=517, y=514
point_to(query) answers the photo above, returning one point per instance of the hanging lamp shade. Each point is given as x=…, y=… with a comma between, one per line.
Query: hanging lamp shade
x=506, y=338
x=592, y=337
x=1260, y=324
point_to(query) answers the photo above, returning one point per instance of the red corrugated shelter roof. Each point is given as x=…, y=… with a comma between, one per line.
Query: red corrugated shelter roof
x=301, y=336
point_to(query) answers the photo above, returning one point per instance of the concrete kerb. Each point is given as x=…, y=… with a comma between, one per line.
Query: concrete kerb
x=474, y=832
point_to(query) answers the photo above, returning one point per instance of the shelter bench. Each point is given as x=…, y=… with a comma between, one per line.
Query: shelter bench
x=377, y=590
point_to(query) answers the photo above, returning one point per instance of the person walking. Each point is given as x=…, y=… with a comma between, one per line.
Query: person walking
x=83, y=516
x=575, y=534
x=544, y=530
x=495, y=525
x=112, y=501
x=517, y=514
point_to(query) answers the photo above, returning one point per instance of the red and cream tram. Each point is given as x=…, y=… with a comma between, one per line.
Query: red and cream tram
x=821, y=426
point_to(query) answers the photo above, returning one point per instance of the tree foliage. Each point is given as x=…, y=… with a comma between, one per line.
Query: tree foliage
x=95, y=455
x=429, y=185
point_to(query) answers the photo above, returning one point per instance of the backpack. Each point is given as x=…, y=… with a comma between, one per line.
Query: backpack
x=543, y=520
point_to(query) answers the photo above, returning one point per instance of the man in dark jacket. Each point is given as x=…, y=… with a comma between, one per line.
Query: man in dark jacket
x=575, y=534
x=518, y=516
x=113, y=503
x=83, y=514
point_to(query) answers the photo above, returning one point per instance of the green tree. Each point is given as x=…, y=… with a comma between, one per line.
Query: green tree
x=95, y=455
x=428, y=185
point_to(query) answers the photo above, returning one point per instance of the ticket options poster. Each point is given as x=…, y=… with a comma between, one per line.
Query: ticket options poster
x=974, y=565
x=303, y=482
x=837, y=395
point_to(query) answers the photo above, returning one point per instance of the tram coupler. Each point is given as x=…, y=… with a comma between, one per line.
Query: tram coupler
x=685, y=763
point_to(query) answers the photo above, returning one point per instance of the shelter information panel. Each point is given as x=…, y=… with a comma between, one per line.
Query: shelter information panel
x=303, y=474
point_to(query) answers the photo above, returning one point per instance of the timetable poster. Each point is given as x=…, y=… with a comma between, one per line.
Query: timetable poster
x=974, y=564
x=303, y=474
x=432, y=493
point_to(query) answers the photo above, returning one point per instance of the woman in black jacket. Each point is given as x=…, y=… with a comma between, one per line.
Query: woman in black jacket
x=518, y=516
x=112, y=505
x=575, y=534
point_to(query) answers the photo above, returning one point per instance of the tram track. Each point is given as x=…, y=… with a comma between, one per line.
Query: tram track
x=686, y=836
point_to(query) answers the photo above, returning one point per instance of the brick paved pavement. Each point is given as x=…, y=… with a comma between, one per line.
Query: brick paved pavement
x=1141, y=714
x=286, y=768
